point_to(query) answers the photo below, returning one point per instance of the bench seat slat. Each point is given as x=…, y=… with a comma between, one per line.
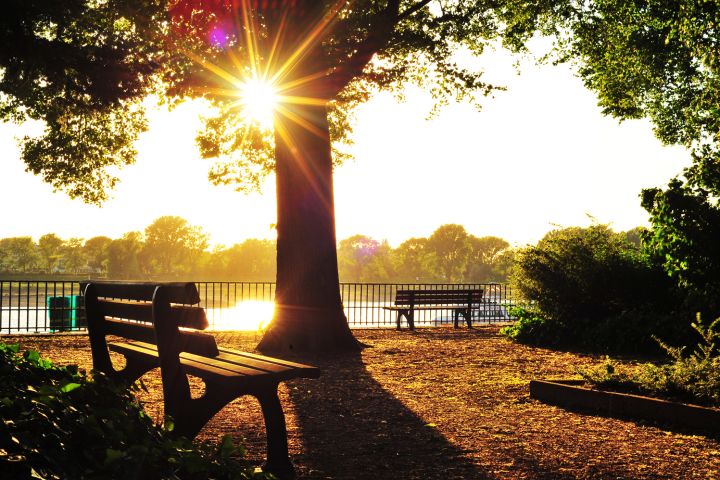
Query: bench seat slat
x=224, y=365
x=270, y=360
x=194, y=342
x=192, y=367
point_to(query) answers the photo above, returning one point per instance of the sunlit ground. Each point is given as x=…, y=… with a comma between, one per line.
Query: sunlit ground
x=249, y=315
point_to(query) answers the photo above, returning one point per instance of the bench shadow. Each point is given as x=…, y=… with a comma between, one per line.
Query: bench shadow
x=367, y=433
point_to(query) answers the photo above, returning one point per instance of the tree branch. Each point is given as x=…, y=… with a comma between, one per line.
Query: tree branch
x=413, y=9
x=381, y=29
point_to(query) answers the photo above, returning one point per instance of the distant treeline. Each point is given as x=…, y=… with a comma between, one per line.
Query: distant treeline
x=171, y=248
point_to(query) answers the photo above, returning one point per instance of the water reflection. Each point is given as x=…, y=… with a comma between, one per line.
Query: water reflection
x=249, y=315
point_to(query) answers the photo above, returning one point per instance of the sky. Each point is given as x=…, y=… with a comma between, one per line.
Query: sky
x=539, y=155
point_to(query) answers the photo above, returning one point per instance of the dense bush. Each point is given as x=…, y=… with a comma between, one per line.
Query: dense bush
x=592, y=288
x=58, y=424
x=693, y=378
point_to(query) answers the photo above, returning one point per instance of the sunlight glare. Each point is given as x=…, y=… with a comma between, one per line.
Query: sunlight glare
x=247, y=315
x=259, y=99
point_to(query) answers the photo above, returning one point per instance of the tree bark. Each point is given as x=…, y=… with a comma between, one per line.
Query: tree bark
x=308, y=310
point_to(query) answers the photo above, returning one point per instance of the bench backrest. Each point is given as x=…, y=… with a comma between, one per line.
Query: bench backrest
x=146, y=312
x=438, y=297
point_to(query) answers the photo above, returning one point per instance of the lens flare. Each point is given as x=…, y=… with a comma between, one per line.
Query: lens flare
x=259, y=100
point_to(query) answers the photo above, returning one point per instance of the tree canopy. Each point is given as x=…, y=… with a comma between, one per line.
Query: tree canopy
x=84, y=68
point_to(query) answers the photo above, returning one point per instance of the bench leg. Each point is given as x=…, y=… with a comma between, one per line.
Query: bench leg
x=409, y=316
x=278, y=463
x=466, y=313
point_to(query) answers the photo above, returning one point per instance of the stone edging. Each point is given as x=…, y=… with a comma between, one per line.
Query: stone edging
x=567, y=394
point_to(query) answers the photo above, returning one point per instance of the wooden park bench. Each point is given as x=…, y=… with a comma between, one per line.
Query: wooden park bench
x=461, y=302
x=149, y=318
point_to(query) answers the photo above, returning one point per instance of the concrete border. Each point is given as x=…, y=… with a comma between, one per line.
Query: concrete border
x=568, y=394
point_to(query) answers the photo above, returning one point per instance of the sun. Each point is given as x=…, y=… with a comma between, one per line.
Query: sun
x=259, y=100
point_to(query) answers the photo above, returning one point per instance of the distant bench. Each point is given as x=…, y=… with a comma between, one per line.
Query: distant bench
x=461, y=302
x=149, y=315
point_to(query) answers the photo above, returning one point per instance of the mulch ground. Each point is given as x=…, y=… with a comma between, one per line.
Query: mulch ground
x=440, y=403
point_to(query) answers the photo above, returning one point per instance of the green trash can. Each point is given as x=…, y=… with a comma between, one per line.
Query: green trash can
x=66, y=312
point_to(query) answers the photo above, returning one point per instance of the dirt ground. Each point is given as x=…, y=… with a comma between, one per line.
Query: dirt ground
x=440, y=404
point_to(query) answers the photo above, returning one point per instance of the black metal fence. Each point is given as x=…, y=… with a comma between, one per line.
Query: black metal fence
x=31, y=306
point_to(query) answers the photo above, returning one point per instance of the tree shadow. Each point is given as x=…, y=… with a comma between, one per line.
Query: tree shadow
x=350, y=427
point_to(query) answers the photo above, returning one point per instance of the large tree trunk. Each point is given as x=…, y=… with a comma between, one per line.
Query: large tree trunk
x=308, y=311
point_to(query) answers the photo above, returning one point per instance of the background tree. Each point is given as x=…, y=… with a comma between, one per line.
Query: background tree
x=49, y=248
x=172, y=246
x=20, y=254
x=73, y=255
x=485, y=261
x=96, y=253
x=354, y=255
x=411, y=260
x=123, y=256
x=449, y=247
x=252, y=260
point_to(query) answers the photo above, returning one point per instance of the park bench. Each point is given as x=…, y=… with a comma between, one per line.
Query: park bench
x=461, y=302
x=159, y=326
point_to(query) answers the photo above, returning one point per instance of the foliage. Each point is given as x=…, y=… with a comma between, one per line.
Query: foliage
x=172, y=245
x=649, y=59
x=360, y=258
x=85, y=67
x=124, y=256
x=251, y=259
x=531, y=327
x=658, y=60
x=449, y=248
x=59, y=424
x=19, y=252
x=49, y=246
x=364, y=259
x=591, y=288
x=490, y=259
x=694, y=377
x=96, y=251
x=685, y=238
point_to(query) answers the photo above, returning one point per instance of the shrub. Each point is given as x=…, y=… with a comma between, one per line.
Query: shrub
x=593, y=289
x=531, y=327
x=694, y=377
x=60, y=424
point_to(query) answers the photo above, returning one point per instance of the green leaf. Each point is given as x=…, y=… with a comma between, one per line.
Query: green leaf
x=112, y=455
x=69, y=387
x=32, y=356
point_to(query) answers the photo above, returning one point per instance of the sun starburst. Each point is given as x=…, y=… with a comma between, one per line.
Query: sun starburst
x=259, y=100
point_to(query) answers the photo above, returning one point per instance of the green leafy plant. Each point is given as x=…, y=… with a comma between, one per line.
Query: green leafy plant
x=693, y=378
x=592, y=288
x=59, y=424
x=531, y=327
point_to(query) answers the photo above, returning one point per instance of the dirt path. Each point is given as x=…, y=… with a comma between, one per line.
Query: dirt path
x=440, y=404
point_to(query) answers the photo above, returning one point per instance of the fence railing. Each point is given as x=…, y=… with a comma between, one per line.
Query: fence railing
x=31, y=306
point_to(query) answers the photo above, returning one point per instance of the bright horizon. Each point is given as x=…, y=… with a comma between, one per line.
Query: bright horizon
x=539, y=155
